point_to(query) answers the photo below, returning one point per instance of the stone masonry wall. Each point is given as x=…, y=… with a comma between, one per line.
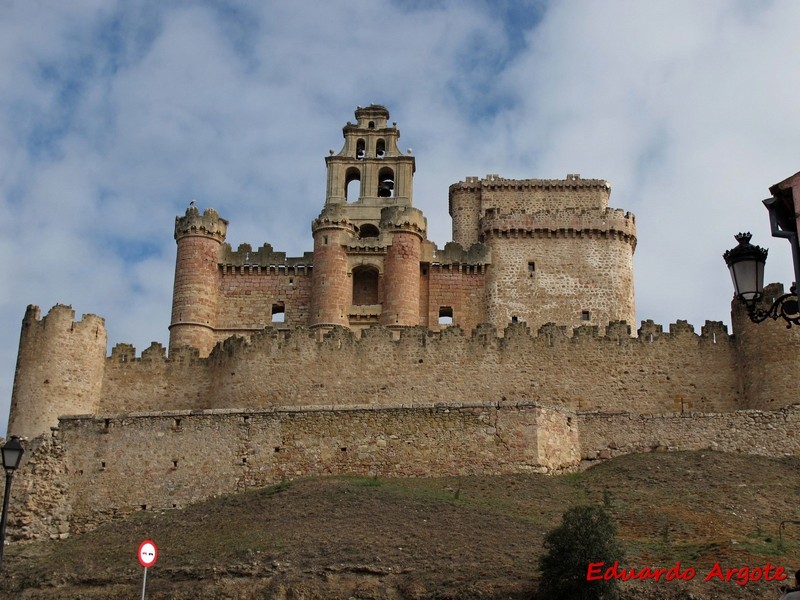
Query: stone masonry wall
x=94, y=469
x=655, y=372
x=767, y=354
x=126, y=463
x=767, y=433
x=60, y=369
x=567, y=276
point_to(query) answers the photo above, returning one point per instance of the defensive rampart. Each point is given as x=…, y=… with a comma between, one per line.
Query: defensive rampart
x=654, y=372
x=97, y=468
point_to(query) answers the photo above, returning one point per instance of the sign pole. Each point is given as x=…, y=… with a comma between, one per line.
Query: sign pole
x=148, y=555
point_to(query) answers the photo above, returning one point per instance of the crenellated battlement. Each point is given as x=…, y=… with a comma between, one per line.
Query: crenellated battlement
x=338, y=338
x=404, y=218
x=59, y=315
x=496, y=182
x=566, y=222
x=587, y=367
x=264, y=257
x=208, y=224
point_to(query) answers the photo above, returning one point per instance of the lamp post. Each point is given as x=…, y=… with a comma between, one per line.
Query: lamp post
x=746, y=264
x=12, y=454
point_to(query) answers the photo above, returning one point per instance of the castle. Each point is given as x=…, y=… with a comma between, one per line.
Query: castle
x=509, y=350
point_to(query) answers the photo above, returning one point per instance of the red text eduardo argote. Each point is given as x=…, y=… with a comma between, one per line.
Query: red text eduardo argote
x=743, y=575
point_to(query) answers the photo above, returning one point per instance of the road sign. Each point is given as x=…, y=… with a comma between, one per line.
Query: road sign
x=148, y=553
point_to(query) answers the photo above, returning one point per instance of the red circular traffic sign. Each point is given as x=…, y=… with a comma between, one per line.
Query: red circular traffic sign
x=148, y=553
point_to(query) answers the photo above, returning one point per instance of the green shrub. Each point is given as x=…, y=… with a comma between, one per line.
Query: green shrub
x=586, y=535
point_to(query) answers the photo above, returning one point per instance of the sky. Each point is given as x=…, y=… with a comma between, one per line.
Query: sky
x=115, y=114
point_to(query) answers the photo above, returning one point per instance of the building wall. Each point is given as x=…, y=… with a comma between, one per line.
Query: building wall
x=95, y=469
x=248, y=294
x=654, y=372
x=109, y=467
x=766, y=433
x=458, y=287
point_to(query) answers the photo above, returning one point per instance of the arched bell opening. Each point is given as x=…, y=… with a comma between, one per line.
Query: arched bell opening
x=352, y=184
x=361, y=149
x=386, y=183
x=380, y=148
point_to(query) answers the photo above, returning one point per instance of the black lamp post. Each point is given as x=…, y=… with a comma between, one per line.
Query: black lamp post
x=12, y=453
x=746, y=264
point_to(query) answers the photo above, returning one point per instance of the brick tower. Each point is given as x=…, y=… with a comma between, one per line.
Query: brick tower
x=367, y=239
x=196, y=290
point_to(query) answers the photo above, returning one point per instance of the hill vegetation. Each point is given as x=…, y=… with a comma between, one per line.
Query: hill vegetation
x=456, y=537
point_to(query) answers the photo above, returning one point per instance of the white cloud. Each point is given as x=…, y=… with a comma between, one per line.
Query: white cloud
x=114, y=115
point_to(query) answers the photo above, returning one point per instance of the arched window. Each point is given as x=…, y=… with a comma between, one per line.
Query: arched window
x=380, y=149
x=365, y=285
x=352, y=184
x=361, y=149
x=368, y=230
x=386, y=183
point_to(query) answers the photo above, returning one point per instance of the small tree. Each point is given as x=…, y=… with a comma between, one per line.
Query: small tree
x=586, y=535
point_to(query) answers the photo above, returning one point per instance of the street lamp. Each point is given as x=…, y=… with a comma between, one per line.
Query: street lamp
x=12, y=453
x=746, y=264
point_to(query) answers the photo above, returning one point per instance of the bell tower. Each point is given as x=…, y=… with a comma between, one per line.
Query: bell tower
x=370, y=170
x=367, y=239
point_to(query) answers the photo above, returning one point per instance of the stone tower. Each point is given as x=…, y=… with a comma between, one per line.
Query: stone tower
x=195, y=293
x=559, y=253
x=367, y=239
x=59, y=369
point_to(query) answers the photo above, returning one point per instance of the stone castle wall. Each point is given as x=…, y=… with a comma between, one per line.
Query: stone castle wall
x=766, y=433
x=462, y=288
x=62, y=369
x=97, y=468
x=543, y=279
x=655, y=372
x=107, y=467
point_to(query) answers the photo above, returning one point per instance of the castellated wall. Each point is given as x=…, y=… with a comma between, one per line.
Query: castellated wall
x=251, y=283
x=655, y=372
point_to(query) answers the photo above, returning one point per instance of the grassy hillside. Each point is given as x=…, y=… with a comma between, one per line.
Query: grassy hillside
x=467, y=537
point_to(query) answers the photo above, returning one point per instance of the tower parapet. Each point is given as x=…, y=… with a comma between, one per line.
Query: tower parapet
x=195, y=293
x=59, y=369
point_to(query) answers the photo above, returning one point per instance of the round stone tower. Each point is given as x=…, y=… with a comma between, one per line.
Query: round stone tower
x=195, y=293
x=407, y=227
x=59, y=369
x=767, y=355
x=465, y=210
x=331, y=288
